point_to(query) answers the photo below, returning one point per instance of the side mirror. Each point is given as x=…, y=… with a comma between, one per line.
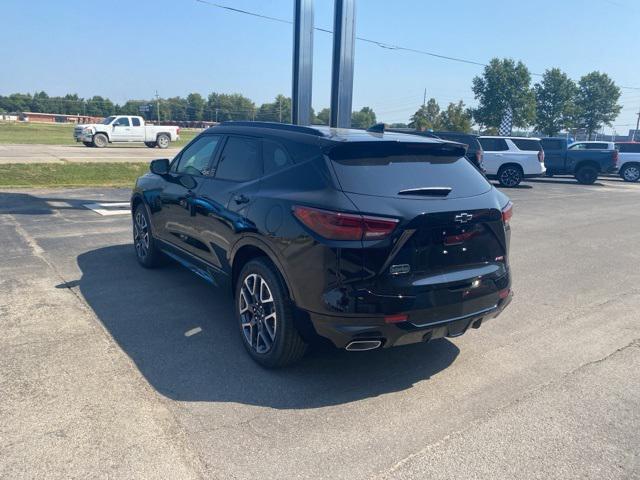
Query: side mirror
x=160, y=166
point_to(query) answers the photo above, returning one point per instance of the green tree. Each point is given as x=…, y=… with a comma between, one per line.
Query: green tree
x=364, y=118
x=596, y=102
x=427, y=117
x=456, y=118
x=504, y=83
x=399, y=125
x=223, y=107
x=195, y=107
x=278, y=111
x=323, y=117
x=555, y=102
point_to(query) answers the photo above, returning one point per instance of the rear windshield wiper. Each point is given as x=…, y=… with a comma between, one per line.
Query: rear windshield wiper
x=427, y=191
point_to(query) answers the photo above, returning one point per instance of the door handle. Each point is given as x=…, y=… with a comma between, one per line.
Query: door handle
x=241, y=198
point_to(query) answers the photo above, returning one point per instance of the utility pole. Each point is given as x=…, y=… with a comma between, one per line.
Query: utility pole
x=424, y=98
x=633, y=136
x=217, y=115
x=280, y=107
x=158, y=105
x=302, y=62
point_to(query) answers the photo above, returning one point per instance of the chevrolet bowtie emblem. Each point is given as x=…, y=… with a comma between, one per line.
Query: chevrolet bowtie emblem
x=463, y=217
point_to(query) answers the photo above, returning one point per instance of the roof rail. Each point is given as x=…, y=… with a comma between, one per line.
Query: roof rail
x=377, y=128
x=276, y=126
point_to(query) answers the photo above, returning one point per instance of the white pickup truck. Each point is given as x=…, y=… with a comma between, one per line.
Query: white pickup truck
x=125, y=129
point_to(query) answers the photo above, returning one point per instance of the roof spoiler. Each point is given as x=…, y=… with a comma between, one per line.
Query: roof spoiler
x=377, y=128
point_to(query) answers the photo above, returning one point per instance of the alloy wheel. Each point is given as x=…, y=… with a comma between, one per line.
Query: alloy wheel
x=141, y=235
x=510, y=177
x=163, y=141
x=631, y=173
x=258, y=315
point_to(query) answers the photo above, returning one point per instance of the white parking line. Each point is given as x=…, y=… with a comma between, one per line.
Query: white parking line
x=108, y=209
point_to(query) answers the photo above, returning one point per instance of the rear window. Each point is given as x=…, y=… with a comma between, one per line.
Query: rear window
x=628, y=147
x=384, y=169
x=469, y=140
x=527, y=144
x=493, y=144
x=553, y=144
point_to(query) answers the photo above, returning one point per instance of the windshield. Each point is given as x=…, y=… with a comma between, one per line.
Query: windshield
x=107, y=120
x=387, y=170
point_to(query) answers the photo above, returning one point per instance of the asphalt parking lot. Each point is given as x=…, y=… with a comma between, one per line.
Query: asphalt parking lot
x=110, y=370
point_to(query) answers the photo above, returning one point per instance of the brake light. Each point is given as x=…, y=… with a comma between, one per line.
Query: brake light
x=178, y=131
x=541, y=156
x=344, y=226
x=396, y=318
x=479, y=156
x=507, y=213
x=616, y=156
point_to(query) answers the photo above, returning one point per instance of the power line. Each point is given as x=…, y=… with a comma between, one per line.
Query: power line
x=386, y=46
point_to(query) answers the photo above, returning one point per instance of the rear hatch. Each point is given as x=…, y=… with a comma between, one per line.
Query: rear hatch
x=450, y=231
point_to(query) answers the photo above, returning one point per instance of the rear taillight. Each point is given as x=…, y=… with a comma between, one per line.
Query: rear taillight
x=344, y=226
x=616, y=156
x=178, y=131
x=541, y=156
x=479, y=156
x=507, y=213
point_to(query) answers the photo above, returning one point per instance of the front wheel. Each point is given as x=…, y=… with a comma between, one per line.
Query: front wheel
x=100, y=140
x=163, y=140
x=266, y=316
x=147, y=253
x=150, y=144
x=587, y=175
x=510, y=176
x=630, y=172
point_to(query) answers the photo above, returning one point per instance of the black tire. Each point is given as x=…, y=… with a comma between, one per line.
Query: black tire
x=147, y=253
x=630, y=172
x=88, y=144
x=151, y=144
x=510, y=175
x=266, y=316
x=548, y=174
x=163, y=140
x=587, y=175
x=100, y=140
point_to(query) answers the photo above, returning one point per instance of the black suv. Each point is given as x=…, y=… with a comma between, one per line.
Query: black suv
x=367, y=239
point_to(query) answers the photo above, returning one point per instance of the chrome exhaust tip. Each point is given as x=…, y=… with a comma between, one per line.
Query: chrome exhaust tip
x=363, y=345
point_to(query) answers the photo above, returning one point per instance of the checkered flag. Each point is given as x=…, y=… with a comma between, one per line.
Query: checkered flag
x=506, y=125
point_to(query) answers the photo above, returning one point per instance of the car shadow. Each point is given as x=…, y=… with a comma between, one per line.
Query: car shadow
x=517, y=187
x=17, y=203
x=564, y=181
x=181, y=334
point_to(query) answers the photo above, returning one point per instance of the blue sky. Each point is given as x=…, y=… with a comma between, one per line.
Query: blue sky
x=128, y=49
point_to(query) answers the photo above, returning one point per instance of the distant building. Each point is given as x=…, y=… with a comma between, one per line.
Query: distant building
x=39, y=117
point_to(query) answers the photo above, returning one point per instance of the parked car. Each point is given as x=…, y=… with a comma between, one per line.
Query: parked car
x=125, y=129
x=629, y=161
x=512, y=159
x=367, y=239
x=474, y=149
x=581, y=159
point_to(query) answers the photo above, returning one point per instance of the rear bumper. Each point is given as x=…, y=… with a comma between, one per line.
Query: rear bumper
x=341, y=331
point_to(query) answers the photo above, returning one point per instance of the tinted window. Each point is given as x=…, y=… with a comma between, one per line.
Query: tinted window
x=240, y=160
x=527, y=144
x=386, y=169
x=493, y=144
x=549, y=144
x=275, y=157
x=122, y=122
x=628, y=147
x=468, y=140
x=196, y=157
x=597, y=146
x=135, y=121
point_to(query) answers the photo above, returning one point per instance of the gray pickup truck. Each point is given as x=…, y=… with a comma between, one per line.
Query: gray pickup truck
x=585, y=164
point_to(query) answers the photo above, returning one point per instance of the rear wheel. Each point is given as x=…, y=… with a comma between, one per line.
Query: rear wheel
x=587, y=175
x=147, y=253
x=630, y=172
x=510, y=175
x=100, y=140
x=150, y=144
x=163, y=140
x=266, y=316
